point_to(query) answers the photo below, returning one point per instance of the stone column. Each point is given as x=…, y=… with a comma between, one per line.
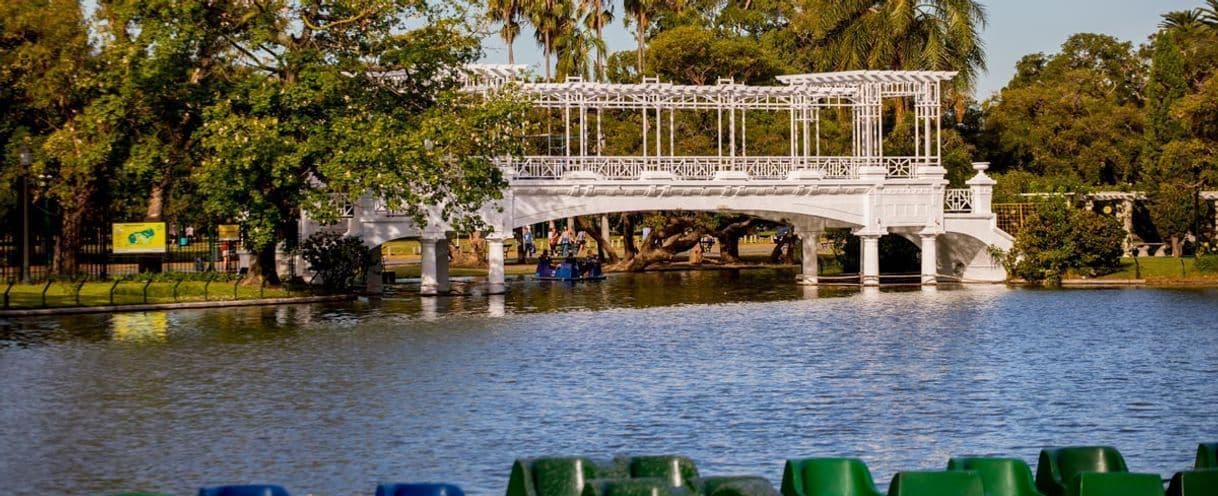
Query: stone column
x=373, y=284
x=870, y=259
x=442, y=280
x=930, y=260
x=982, y=187
x=1125, y=209
x=811, y=265
x=429, y=284
x=494, y=276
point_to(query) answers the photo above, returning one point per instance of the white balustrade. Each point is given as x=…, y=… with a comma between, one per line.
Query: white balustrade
x=958, y=201
x=702, y=167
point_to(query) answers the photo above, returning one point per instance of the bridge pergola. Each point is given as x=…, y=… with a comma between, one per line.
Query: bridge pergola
x=801, y=97
x=867, y=191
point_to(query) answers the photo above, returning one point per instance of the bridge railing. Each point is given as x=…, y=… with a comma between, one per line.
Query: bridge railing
x=705, y=167
x=958, y=201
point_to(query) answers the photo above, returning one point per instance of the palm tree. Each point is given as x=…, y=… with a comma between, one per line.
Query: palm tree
x=1209, y=13
x=507, y=12
x=550, y=19
x=1187, y=21
x=640, y=12
x=598, y=13
x=574, y=50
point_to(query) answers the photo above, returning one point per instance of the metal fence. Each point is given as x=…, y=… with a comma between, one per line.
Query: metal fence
x=97, y=260
x=1012, y=216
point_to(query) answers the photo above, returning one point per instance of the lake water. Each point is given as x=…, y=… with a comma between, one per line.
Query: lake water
x=739, y=370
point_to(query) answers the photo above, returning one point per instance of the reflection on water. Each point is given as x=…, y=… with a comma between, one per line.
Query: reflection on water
x=737, y=369
x=140, y=327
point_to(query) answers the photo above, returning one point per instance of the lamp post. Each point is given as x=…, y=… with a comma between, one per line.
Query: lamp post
x=26, y=160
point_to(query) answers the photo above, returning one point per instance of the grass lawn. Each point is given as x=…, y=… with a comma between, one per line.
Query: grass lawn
x=1161, y=269
x=63, y=294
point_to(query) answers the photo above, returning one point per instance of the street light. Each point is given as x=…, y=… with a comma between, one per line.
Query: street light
x=27, y=159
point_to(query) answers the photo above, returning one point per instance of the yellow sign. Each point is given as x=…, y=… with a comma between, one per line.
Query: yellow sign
x=139, y=237
x=229, y=232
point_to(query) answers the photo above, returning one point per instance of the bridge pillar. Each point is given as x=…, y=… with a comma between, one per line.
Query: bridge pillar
x=811, y=265
x=442, y=280
x=870, y=244
x=930, y=260
x=429, y=284
x=494, y=276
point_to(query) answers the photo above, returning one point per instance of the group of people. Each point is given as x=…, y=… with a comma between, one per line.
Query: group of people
x=566, y=243
x=570, y=268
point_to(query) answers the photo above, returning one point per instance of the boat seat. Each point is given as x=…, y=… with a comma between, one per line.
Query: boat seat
x=640, y=486
x=1058, y=466
x=1207, y=456
x=679, y=471
x=1194, y=483
x=559, y=476
x=947, y=483
x=1115, y=484
x=739, y=485
x=827, y=477
x=999, y=476
x=418, y=489
x=244, y=490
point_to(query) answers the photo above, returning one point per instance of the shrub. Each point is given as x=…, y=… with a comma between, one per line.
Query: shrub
x=337, y=259
x=1207, y=263
x=1057, y=239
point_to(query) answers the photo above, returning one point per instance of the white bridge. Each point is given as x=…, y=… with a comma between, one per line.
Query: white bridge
x=867, y=192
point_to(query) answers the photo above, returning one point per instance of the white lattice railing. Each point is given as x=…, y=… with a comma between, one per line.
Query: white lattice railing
x=704, y=168
x=958, y=201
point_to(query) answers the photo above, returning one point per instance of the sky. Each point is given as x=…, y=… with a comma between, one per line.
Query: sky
x=1016, y=28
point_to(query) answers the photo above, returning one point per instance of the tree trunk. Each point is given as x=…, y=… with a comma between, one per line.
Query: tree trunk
x=67, y=245
x=639, y=40
x=662, y=244
x=602, y=244
x=263, y=267
x=729, y=240
x=518, y=235
x=629, y=249
x=784, y=252
x=154, y=213
x=511, y=53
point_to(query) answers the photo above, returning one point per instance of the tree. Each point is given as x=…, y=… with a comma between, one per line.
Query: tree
x=316, y=113
x=641, y=13
x=597, y=15
x=508, y=13
x=56, y=104
x=701, y=56
x=551, y=19
x=1075, y=114
x=1057, y=239
x=905, y=35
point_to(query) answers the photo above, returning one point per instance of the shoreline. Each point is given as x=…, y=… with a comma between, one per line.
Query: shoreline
x=142, y=307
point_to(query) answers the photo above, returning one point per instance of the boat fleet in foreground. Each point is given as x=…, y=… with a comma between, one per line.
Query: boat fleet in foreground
x=1069, y=471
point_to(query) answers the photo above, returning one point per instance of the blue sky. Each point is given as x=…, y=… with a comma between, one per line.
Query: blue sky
x=1016, y=28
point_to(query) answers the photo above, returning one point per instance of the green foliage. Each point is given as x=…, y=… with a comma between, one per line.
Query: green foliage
x=1207, y=263
x=696, y=55
x=1058, y=239
x=1073, y=115
x=337, y=259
